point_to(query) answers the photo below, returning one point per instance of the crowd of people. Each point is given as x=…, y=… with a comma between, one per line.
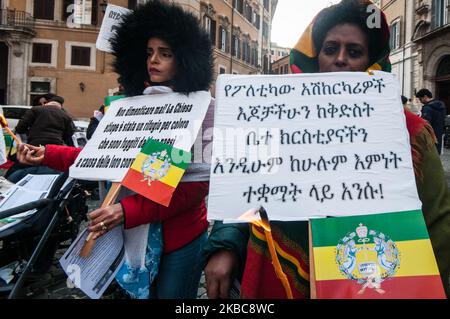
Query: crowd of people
x=160, y=48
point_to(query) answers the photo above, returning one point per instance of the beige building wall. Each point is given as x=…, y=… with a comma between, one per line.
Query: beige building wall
x=277, y=52
x=84, y=88
x=235, y=23
x=400, y=17
x=281, y=66
x=433, y=46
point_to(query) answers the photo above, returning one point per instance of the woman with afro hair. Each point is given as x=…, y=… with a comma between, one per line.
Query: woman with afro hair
x=158, y=48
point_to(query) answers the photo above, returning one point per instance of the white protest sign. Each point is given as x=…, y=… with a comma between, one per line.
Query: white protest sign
x=330, y=144
x=111, y=20
x=169, y=118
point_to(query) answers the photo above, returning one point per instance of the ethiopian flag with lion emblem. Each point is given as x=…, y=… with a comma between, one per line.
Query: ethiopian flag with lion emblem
x=156, y=171
x=375, y=256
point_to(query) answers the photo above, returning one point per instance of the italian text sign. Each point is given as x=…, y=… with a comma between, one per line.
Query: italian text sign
x=171, y=118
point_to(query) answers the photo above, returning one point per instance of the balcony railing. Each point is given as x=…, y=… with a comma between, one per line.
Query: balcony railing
x=13, y=19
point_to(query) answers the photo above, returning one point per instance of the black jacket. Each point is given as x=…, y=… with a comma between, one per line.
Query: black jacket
x=434, y=112
x=47, y=125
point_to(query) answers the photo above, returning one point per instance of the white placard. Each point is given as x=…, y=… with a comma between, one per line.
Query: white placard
x=111, y=20
x=330, y=144
x=170, y=118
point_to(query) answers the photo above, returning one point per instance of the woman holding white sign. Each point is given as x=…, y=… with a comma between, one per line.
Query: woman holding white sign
x=338, y=40
x=159, y=48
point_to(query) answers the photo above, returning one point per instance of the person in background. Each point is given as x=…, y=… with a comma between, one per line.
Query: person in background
x=434, y=112
x=93, y=123
x=47, y=124
x=405, y=101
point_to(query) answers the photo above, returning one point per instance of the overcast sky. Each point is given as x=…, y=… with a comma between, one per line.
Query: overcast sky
x=292, y=17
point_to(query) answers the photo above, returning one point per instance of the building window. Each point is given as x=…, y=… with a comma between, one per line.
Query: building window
x=239, y=5
x=210, y=26
x=222, y=70
x=439, y=15
x=236, y=47
x=266, y=5
x=44, y=9
x=39, y=86
x=248, y=12
x=80, y=55
x=265, y=29
x=395, y=35
x=69, y=9
x=256, y=20
x=223, y=40
x=42, y=53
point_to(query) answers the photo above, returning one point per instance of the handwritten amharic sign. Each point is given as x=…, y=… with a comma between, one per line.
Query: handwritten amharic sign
x=330, y=144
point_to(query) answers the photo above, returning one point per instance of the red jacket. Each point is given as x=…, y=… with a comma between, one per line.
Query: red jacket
x=183, y=221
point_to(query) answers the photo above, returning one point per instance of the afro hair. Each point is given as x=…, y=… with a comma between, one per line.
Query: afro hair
x=180, y=29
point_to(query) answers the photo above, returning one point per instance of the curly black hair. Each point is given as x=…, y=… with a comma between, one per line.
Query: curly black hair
x=354, y=12
x=180, y=29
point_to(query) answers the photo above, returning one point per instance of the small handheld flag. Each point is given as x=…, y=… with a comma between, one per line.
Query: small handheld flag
x=156, y=171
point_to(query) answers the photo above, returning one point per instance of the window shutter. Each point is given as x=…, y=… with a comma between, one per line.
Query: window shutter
x=213, y=32
x=220, y=38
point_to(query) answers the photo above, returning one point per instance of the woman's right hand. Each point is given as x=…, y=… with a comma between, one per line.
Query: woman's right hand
x=220, y=273
x=30, y=155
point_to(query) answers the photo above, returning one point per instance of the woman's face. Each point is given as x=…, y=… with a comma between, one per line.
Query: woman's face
x=345, y=48
x=160, y=61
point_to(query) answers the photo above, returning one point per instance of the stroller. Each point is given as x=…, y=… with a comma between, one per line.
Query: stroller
x=30, y=245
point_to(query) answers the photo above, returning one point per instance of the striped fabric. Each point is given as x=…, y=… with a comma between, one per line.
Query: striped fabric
x=156, y=171
x=375, y=256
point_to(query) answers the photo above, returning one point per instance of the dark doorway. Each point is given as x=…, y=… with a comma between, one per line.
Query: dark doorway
x=3, y=72
x=443, y=82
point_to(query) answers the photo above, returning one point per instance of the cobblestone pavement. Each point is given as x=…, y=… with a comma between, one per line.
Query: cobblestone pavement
x=59, y=290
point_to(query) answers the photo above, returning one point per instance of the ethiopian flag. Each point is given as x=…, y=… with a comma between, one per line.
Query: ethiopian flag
x=156, y=171
x=375, y=256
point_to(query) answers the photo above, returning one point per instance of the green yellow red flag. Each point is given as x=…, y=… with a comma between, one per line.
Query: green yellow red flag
x=156, y=171
x=375, y=256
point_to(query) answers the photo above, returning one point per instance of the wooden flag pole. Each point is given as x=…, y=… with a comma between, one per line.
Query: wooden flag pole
x=4, y=124
x=109, y=199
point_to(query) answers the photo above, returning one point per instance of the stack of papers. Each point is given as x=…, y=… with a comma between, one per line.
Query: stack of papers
x=28, y=189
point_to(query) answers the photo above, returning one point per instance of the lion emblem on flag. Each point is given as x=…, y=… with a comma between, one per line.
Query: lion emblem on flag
x=367, y=256
x=155, y=166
